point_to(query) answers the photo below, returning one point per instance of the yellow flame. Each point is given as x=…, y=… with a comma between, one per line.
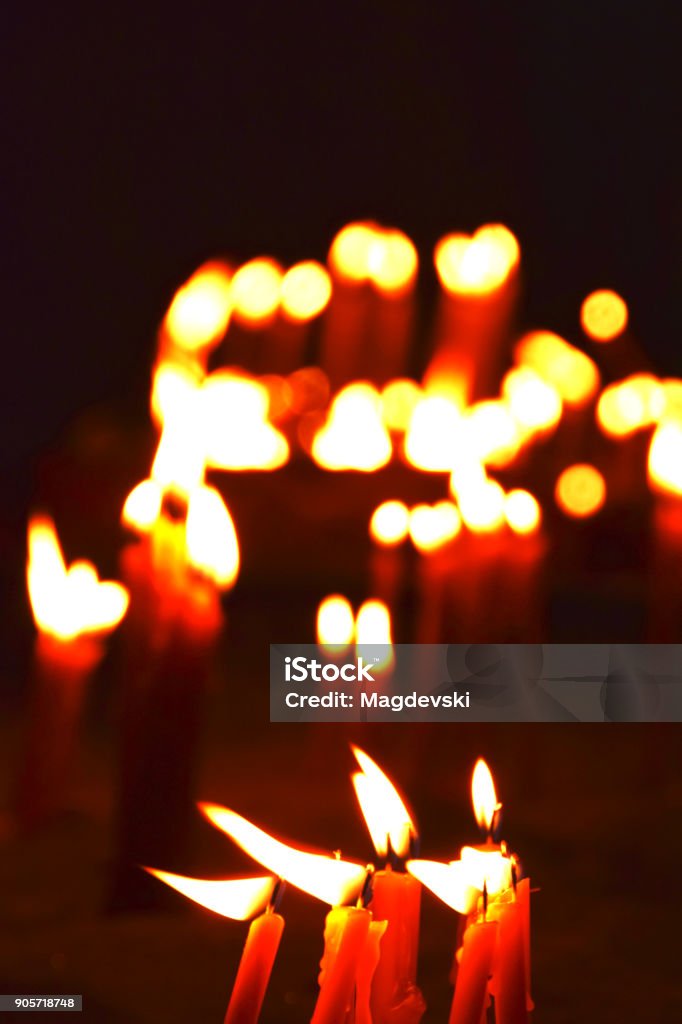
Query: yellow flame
x=331, y=880
x=256, y=291
x=479, y=264
x=349, y=255
x=373, y=623
x=180, y=459
x=604, y=315
x=483, y=795
x=398, y=400
x=665, y=457
x=142, y=507
x=236, y=430
x=200, y=311
x=385, y=814
x=173, y=383
x=68, y=602
x=451, y=883
x=487, y=867
x=572, y=373
x=392, y=262
x=354, y=436
x=630, y=405
x=433, y=434
x=533, y=403
x=492, y=432
x=389, y=524
x=432, y=526
x=580, y=491
x=482, y=506
x=305, y=291
x=212, y=545
x=335, y=622
x=236, y=898
x=522, y=511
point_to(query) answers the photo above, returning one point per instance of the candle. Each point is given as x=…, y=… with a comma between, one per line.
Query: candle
x=366, y=969
x=239, y=899
x=473, y=973
x=346, y=931
x=509, y=972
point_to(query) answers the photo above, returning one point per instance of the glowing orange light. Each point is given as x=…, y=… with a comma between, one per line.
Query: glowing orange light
x=482, y=506
x=432, y=526
x=236, y=898
x=451, y=883
x=392, y=260
x=349, y=255
x=604, y=315
x=331, y=880
x=68, y=602
x=434, y=431
x=672, y=395
x=385, y=814
x=522, y=511
x=236, y=432
x=572, y=373
x=478, y=264
x=256, y=291
x=172, y=384
x=483, y=795
x=211, y=539
x=142, y=507
x=665, y=457
x=335, y=622
x=200, y=311
x=390, y=523
x=180, y=459
x=309, y=389
x=630, y=405
x=580, y=491
x=354, y=436
x=373, y=624
x=493, y=432
x=534, y=404
x=305, y=291
x=398, y=400
x=487, y=867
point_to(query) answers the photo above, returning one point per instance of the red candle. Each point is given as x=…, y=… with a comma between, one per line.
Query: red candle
x=255, y=967
x=471, y=989
x=366, y=969
x=345, y=936
x=509, y=972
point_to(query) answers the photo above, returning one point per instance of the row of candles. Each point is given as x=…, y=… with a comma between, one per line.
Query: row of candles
x=368, y=971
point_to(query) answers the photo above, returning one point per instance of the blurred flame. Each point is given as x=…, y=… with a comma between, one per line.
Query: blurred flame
x=534, y=404
x=665, y=457
x=237, y=433
x=212, y=545
x=349, y=254
x=432, y=526
x=373, y=628
x=236, y=898
x=604, y=315
x=580, y=491
x=389, y=524
x=180, y=459
x=483, y=795
x=256, y=291
x=492, y=432
x=385, y=814
x=331, y=880
x=200, y=311
x=142, y=507
x=434, y=431
x=335, y=622
x=173, y=383
x=522, y=511
x=68, y=602
x=630, y=405
x=572, y=373
x=478, y=264
x=365, y=252
x=398, y=400
x=354, y=436
x=482, y=506
x=451, y=883
x=305, y=291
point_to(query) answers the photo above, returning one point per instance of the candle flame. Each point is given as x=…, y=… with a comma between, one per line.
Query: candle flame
x=67, y=603
x=305, y=291
x=354, y=436
x=481, y=504
x=535, y=405
x=478, y=264
x=390, y=522
x=256, y=291
x=180, y=460
x=373, y=628
x=398, y=400
x=433, y=526
x=572, y=373
x=236, y=898
x=367, y=253
x=522, y=511
x=199, y=314
x=433, y=434
x=329, y=879
x=235, y=426
x=604, y=315
x=492, y=432
x=451, y=883
x=385, y=814
x=211, y=538
x=665, y=457
x=580, y=491
x=483, y=795
x=335, y=623
x=631, y=404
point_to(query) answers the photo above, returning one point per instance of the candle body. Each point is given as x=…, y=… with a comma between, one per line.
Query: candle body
x=471, y=989
x=523, y=900
x=509, y=972
x=366, y=968
x=345, y=936
x=255, y=967
x=395, y=998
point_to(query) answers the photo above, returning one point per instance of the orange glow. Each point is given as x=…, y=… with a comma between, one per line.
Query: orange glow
x=665, y=457
x=309, y=389
x=392, y=262
x=434, y=431
x=142, y=507
x=173, y=383
x=534, y=404
x=349, y=254
x=478, y=264
x=573, y=374
x=236, y=898
x=604, y=315
x=331, y=880
x=200, y=311
x=483, y=795
x=432, y=526
x=482, y=506
x=468, y=475
x=68, y=602
x=256, y=291
x=335, y=622
x=580, y=491
x=630, y=405
x=451, y=883
x=487, y=867
x=522, y=511
x=672, y=394
x=305, y=291
x=354, y=436
x=180, y=458
x=212, y=545
x=398, y=400
x=237, y=433
x=389, y=524
x=373, y=624
x=385, y=814
x=492, y=432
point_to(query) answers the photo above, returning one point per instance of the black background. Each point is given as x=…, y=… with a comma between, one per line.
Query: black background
x=137, y=143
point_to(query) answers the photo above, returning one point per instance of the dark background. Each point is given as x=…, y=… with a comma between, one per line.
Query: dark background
x=137, y=143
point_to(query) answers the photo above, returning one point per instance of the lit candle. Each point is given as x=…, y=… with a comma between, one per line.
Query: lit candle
x=240, y=899
x=396, y=896
x=488, y=863
x=473, y=973
x=508, y=985
x=346, y=931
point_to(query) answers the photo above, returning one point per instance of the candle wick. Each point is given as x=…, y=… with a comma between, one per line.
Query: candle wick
x=485, y=900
